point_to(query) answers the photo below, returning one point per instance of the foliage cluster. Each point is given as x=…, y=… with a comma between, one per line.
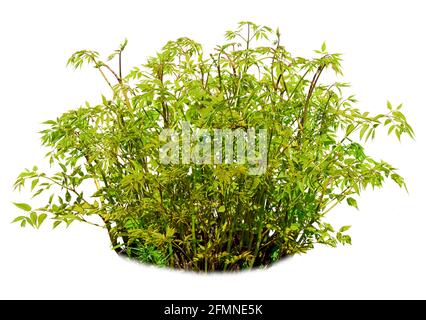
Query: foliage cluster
x=212, y=217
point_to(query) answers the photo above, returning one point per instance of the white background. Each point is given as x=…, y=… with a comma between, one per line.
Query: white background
x=384, y=58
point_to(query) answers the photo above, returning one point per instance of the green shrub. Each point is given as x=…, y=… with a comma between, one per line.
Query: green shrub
x=202, y=216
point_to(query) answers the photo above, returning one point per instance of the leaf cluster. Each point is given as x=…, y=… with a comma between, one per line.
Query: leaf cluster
x=213, y=217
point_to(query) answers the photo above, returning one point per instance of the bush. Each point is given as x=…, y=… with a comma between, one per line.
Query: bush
x=219, y=216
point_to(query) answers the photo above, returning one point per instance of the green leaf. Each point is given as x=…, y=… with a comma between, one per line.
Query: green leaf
x=399, y=115
x=398, y=179
x=30, y=222
x=221, y=209
x=37, y=193
x=41, y=218
x=33, y=217
x=51, y=122
x=23, y=206
x=34, y=184
x=352, y=202
x=346, y=239
x=362, y=132
x=56, y=223
x=123, y=44
x=17, y=219
x=323, y=47
x=344, y=228
x=294, y=226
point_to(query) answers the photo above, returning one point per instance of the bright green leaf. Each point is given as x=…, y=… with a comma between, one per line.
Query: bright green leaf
x=23, y=206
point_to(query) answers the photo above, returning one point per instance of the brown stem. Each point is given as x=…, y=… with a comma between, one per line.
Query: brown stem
x=119, y=66
x=308, y=98
x=113, y=72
